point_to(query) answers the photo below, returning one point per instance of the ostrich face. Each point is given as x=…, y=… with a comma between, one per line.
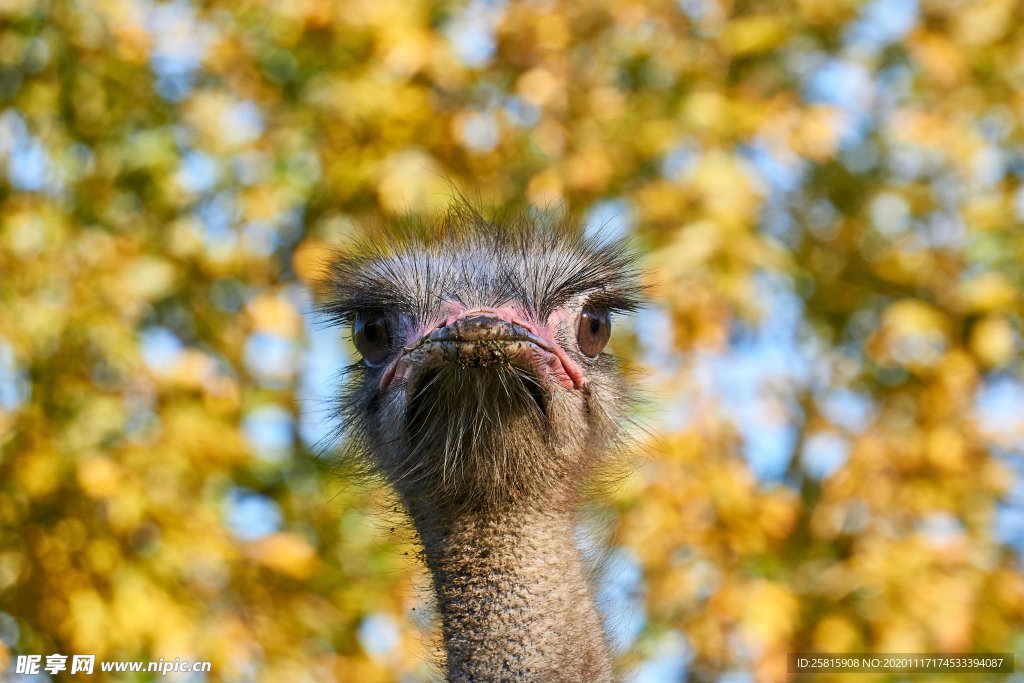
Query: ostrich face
x=483, y=376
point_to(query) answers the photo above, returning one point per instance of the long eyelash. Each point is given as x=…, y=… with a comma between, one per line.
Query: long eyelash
x=613, y=302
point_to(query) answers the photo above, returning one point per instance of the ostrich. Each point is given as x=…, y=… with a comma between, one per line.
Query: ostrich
x=485, y=397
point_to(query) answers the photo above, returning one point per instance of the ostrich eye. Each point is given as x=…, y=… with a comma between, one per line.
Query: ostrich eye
x=594, y=330
x=372, y=335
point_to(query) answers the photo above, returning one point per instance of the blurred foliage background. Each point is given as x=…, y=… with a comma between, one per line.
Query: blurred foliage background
x=830, y=198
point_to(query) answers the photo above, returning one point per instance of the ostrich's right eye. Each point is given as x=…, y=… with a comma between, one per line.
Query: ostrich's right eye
x=372, y=335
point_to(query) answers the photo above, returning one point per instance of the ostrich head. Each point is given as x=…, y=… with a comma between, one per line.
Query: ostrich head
x=483, y=379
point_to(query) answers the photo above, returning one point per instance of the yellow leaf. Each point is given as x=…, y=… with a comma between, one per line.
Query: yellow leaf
x=986, y=293
x=816, y=135
x=946, y=449
x=770, y=612
x=979, y=23
x=754, y=34
x=411, y=180
x=99, y=477
x=544, y=190
x=835, y=634
x=993, y=341
x=149, y=278
x=286, y=553
x=271, y=313
x=539, y=86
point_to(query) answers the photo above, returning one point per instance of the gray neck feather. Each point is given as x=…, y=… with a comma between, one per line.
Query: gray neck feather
x=514, y=598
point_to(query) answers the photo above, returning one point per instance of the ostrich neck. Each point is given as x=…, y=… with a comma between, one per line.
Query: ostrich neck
x=514, y=598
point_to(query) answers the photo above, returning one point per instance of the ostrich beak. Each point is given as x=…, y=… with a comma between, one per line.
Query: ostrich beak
x=485, y=338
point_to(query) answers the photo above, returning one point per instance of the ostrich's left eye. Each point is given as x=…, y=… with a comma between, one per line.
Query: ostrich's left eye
x=372, y=334
x=594, y=331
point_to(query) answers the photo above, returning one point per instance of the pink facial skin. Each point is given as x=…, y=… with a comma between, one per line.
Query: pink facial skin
x=535, y=345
